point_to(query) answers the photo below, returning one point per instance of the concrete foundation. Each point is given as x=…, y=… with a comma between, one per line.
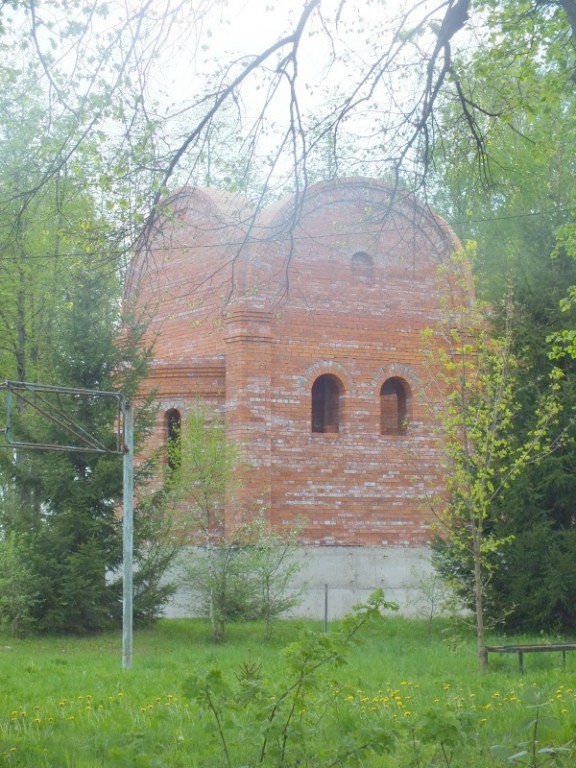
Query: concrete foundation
x=333, y=579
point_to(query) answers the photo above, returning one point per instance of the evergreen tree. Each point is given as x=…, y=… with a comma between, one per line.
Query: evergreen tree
x=61, y=292
x=514, y=214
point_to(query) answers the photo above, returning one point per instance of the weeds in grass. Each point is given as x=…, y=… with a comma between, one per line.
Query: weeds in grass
x=402, y=697
x=532, y=752
x=280, y=719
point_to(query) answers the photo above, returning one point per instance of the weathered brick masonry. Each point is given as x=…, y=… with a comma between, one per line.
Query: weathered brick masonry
x=302, y=325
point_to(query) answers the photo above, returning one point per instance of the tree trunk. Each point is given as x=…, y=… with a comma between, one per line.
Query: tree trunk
x=479, y=601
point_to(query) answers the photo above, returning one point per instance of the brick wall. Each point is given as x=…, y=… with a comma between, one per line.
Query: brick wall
x=249, y=310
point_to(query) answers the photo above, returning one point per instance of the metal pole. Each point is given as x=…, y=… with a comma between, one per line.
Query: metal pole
x=128, y=535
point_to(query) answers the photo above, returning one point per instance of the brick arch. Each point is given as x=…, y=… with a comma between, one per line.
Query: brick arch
x=392, y=371
x=319, y=368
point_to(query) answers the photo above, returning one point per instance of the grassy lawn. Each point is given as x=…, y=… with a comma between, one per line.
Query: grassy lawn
x=407, y=695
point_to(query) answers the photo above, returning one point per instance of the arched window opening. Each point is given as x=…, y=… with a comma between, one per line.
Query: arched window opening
x=173, y=438
x=326, y=404
x=394, y=402
x=362, y=267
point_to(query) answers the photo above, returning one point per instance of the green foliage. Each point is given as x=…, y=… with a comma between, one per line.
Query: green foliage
x=272, y=567
x=533, y=752
x=476, y=376
x=203, y=474
x=60, y=291
x=520, y=214
x=277, y=722
x=222, y=585
x=156, y=548
x=18, y=585
x=438, y=734
x=244, y=579
x=233, y=574
x=201, y=477
x=66, y=700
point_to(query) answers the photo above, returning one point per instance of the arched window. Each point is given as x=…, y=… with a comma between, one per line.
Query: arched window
x=362, y=267
x=326, y=404
x=394, y=405
x=173, y=425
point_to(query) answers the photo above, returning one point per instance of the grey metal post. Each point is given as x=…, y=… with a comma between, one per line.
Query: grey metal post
x=128, y=535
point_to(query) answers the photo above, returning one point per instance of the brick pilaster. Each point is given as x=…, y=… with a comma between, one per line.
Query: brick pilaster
x=248, y=339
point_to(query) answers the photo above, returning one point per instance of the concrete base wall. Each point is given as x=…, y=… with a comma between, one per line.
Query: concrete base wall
x=333, y=579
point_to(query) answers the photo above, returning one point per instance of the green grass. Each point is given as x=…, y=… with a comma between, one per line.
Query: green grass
x=67, y=702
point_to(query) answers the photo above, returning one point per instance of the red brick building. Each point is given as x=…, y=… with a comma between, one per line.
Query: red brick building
x=302, y=326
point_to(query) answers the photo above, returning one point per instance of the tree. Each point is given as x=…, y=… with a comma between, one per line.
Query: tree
x=392, y=69
x=63, y=505
x=517, y=220
x=273, y=567
x=61, y=289
x=18, y=588
x=475, y=408
x=241, y=573
x=201, y=470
